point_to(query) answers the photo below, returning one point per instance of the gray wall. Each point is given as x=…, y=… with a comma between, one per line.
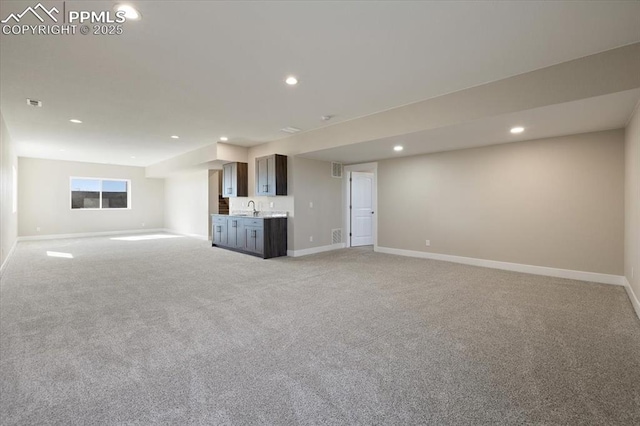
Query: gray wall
x=632, y=205
x=555, y=202
x=313, y=183
x=186, y=203
x=44, y=199
x=8, y=218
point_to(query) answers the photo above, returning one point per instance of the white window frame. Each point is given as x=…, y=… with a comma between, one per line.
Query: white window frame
x=71, y=178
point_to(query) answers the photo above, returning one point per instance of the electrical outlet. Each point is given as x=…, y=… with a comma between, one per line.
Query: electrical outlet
x=428, y=243
x=143, y=224
x=310, y=204
x=311, y=239
x=38, y=229
x=271, y=204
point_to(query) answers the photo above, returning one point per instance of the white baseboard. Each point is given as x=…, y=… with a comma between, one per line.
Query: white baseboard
x=6, y=259
x=88, y=234
x=314, y=250
x=516, y=267
x=632, y=296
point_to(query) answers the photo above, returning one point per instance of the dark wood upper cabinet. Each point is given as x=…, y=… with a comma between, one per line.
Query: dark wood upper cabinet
x=235, y=180
x=271, y=175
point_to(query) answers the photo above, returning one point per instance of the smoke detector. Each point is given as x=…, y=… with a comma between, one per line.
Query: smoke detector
x=290, y=129
x=326, y=117
x=34, y=103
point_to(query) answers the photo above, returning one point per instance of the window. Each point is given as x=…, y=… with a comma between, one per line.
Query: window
x=91, y=193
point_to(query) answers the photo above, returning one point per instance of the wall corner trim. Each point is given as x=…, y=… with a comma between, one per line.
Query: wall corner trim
x=6, y=260
x=314, y=250
x=516, y=267
x=632, y=297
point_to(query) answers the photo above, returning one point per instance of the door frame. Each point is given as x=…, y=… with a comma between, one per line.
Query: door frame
x=364, y=167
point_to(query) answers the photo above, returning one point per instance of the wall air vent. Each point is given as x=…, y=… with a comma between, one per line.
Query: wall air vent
x=290, y=130
x=336, y=170
x=336, y=236
x=34, y=103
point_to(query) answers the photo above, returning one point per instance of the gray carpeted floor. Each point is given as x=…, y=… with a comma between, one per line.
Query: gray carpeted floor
x=173, y=331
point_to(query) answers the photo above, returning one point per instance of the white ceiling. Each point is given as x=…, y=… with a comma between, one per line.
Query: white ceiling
x=204, y=69
x=589, y=115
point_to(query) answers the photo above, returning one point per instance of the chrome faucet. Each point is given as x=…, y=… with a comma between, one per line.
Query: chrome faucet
x=254, y=206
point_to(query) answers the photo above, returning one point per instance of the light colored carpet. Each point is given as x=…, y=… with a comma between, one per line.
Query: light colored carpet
x=173, y=331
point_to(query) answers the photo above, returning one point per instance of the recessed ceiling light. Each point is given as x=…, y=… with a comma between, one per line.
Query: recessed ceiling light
x=224, y=138
x=291, y=80
x=75, y=121
x=61, y=150
x=130, y=12
x=133, y=156
x=398, y=148
x=175, y=137
x=516, y=130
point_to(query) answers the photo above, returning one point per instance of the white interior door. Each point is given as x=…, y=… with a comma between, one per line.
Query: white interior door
x=361, y=209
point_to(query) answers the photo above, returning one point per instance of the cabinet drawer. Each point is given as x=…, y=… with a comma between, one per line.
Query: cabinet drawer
x=253, y=222
x=220, y=219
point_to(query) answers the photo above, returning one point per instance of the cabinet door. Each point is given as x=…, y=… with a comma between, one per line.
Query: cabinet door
x=232, y=235
x=229, y=178
x=271, y=175
x=220, y=233
x=254, y=239
x=249, y=238
x=259, y=237
x=262, y=176
x=235, y=233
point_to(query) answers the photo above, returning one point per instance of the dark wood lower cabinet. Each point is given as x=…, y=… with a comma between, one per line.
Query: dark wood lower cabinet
x=265, y=237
